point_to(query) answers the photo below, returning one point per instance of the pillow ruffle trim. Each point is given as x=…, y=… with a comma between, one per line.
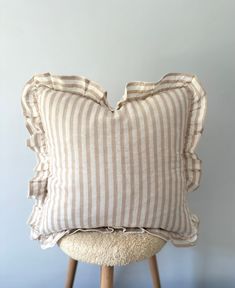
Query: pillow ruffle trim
x=194, y=131
x=37, y=186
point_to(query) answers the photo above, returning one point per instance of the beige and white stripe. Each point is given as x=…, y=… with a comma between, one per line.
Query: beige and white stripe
x=101, y=168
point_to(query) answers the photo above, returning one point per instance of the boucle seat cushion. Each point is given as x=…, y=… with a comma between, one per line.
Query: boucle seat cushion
x=110, y=249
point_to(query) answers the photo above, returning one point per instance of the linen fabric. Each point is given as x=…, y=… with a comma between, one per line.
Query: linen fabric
x=102, y=168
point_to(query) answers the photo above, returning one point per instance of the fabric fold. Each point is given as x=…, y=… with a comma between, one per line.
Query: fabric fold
x=37, y=186
x=194, y=132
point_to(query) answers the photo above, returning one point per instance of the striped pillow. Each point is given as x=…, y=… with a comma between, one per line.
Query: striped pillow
x=102, y=168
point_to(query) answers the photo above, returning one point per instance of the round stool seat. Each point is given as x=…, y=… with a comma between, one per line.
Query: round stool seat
x=110, y=249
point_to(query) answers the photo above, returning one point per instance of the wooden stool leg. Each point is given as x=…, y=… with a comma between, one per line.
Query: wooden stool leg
x=154, y=271
x=107, y=277
x=71, y=273
x=100, y=275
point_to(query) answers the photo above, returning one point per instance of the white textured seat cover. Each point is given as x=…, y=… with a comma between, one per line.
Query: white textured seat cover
x=110, y=249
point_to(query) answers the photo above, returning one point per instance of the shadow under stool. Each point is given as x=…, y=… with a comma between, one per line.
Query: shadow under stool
x=109, y=250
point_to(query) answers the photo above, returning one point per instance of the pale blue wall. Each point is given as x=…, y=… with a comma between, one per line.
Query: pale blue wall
x=114, y=42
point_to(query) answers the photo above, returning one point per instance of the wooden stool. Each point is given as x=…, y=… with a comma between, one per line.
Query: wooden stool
x=109, y=250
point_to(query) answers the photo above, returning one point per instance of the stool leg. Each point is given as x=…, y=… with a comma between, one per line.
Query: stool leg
x=100, y=275
x=71, y=273
x=106, y=277
x=154, y=271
